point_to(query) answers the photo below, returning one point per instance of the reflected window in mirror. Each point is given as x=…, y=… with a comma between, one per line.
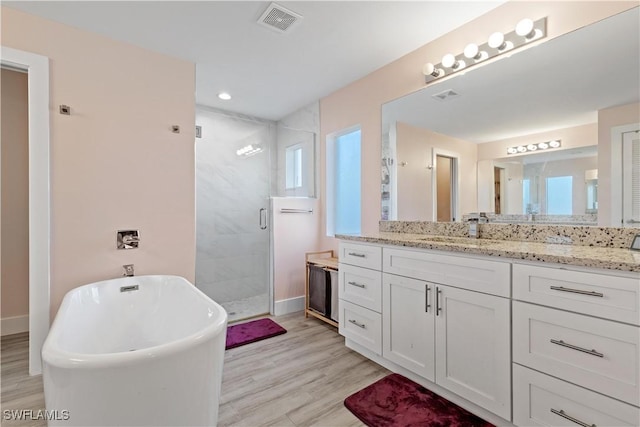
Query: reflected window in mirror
x=559, y=191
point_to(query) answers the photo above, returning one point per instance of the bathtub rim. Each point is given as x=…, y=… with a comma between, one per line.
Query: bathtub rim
x=54, y=356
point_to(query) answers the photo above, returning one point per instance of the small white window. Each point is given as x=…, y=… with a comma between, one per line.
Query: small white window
x=293, y=167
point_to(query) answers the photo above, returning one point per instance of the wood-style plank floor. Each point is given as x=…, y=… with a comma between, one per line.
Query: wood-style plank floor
x=300, y=378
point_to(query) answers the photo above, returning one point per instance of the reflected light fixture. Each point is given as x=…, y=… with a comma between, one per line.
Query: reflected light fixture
x=526, y=31
x=519, y=149
x=224, y=96
x=249, y=150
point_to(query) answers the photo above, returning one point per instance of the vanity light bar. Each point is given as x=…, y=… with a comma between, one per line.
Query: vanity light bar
x=519, y=149
x=498, y=43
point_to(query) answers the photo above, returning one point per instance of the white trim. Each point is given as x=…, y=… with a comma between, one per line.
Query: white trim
x=286, y=306
x=615, y=195
x=14, y=325
x=455, y=192
x=39, y=201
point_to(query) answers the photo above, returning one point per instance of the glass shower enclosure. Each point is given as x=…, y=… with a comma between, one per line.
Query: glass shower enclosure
x=233, y=186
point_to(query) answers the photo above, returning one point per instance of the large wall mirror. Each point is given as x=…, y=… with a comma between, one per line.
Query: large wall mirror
x=541, y=103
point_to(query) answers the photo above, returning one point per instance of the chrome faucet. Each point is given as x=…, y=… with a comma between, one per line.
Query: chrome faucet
x=127, y=239
x=473, y=228
x=128, y=270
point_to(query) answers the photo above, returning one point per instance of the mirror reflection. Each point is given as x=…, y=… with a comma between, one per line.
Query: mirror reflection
x=558, y=90
x=555, y=183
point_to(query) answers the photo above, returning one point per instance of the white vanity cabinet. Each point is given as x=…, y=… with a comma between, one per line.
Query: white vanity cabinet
x=455, y=337
x=463, y=323
x=576, y=348
x=360, y=294
x=408, y=324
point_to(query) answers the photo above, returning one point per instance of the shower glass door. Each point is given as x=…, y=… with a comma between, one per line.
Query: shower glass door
x=232, y=199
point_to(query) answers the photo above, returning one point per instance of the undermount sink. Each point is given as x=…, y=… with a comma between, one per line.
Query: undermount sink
x=454, y=239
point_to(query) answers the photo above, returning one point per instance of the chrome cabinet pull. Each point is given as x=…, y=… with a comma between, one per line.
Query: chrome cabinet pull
x=263, y=219
x=357, y=254
x=577, y=291
x=427, y=289
x=561, y=413
x=358, y=324
x=359, y=285
x=575, y=347
x=438, y=294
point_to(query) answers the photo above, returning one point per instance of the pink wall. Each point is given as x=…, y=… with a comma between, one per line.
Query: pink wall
x=359, y=103
x=114, y=162
x=15, y=191
x=415, y=147
x=607, y=119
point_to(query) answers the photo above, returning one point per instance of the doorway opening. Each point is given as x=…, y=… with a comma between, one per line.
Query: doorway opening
x=14, y=262
x=37, y=67
x=445, y=186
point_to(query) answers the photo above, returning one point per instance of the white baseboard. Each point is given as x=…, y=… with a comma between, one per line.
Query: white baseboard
x=287, y=306
x=14, y=325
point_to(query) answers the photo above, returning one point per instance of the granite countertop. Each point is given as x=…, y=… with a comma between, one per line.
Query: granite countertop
x=586, y=256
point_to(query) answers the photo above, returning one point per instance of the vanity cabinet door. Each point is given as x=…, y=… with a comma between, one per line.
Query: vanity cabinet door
x=473, y=344
x=408, y=324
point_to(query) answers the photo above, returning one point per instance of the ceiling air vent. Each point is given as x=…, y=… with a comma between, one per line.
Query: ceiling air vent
x=278, y=18
x=446, y=94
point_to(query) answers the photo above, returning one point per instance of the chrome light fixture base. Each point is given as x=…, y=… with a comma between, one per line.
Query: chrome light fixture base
x=527, y=31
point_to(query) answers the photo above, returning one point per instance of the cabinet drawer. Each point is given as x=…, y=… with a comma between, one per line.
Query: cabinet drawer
x=491, y=277
x=361, y=255
x=361, y=325
x=361, y=286
x=598, y=354
x=611, y=297
x=538, y=400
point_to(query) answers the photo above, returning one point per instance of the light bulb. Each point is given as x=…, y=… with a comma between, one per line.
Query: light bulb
x=532, y=147
x=512, y=150
x=554, y=144
x=472, y=51
x=448, y=60
x=522, y=149
x=430, y=70
x=496, y=40
x=543, y=146
x=224, y=96
x=525, y=28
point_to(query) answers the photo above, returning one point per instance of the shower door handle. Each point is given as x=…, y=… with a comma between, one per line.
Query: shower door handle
x=263, y=218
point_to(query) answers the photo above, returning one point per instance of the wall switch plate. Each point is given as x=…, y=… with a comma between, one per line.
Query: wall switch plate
x=127, y=239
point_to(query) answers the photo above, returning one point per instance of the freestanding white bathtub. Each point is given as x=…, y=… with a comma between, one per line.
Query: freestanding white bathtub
x=121, y=355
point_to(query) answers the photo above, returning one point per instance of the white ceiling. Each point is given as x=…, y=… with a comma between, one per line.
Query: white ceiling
x=269, y=74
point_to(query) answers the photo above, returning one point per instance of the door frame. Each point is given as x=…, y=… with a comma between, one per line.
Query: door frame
x=615, y=194
x=455, y=184
x=37, y=67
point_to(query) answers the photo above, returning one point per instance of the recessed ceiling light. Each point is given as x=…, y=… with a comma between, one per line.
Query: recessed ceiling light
x=224, y=96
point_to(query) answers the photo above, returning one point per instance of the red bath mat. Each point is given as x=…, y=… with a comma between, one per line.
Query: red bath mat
x=253, y=331
x=397, y=401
